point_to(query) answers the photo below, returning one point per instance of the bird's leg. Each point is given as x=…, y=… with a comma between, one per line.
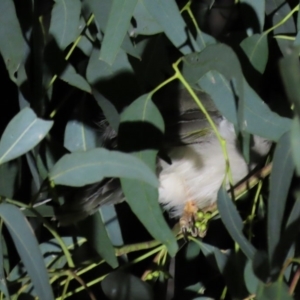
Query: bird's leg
x=187, y=221
x=194, y=220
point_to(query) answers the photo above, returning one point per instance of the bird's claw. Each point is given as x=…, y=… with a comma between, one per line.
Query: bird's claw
x=195, y=223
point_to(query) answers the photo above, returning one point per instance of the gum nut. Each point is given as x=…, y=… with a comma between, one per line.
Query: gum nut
x=200, y=214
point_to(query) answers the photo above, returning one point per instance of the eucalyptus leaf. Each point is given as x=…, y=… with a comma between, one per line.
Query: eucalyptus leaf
x=118, y=22
x=254, y=14
x=147, y=209
x=81, y=168
x=167, y=15
x=146, y=24
x=280, y=180
x=233, y=223
x=110, y=112
x=275, y=291
x=94, y=230
x=295, y=142
x=3, y=283
x=28, y=249
x=98, y=70
x=65, y=20
x=260, y=120
x=257, y=51
x=22, y=133
x=290, y=74
x=79, y=136
x=12, y=43
x=70, y=76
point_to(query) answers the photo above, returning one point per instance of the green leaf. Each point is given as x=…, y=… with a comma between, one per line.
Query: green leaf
x=260, y=120
x=110, y=112
x=94, y=230
x=251, y=280
x=9, y=178
x=98, y=70
x=167, y=15
x=3, y=283
x=295, y=142
x=79, y=136
x=257, y=51
x=275, y=291
x=144, y=112
x=101, y=10
x=290, y=74
x=112, y=224
x=70, y=76
x=12, y=43
x=253, y=12
x=28, y=249
x=280, y=180
x=233, y=223
x=81, y=168
x=117, y=25
x=65, y=19
x=278, y=10
x=146, y=24
x=22, y=133
x=203, y=40
x=220, y=90
x=222, y=59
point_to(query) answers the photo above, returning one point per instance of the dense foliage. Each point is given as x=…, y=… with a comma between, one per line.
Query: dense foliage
x=66, y=65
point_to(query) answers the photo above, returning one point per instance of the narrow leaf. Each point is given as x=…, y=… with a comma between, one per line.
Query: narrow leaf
x=290, y=73
x=295, y=142
x=28, y=249
x=94, y=230
x=12, y=43
x=280, y=180
x=81, y=168
x=22, y=133
x=233, y=222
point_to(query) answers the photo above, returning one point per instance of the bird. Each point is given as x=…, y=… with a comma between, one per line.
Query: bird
x=195, y=168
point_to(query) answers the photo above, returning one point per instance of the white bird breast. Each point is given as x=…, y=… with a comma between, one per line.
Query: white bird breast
x=197, y=171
